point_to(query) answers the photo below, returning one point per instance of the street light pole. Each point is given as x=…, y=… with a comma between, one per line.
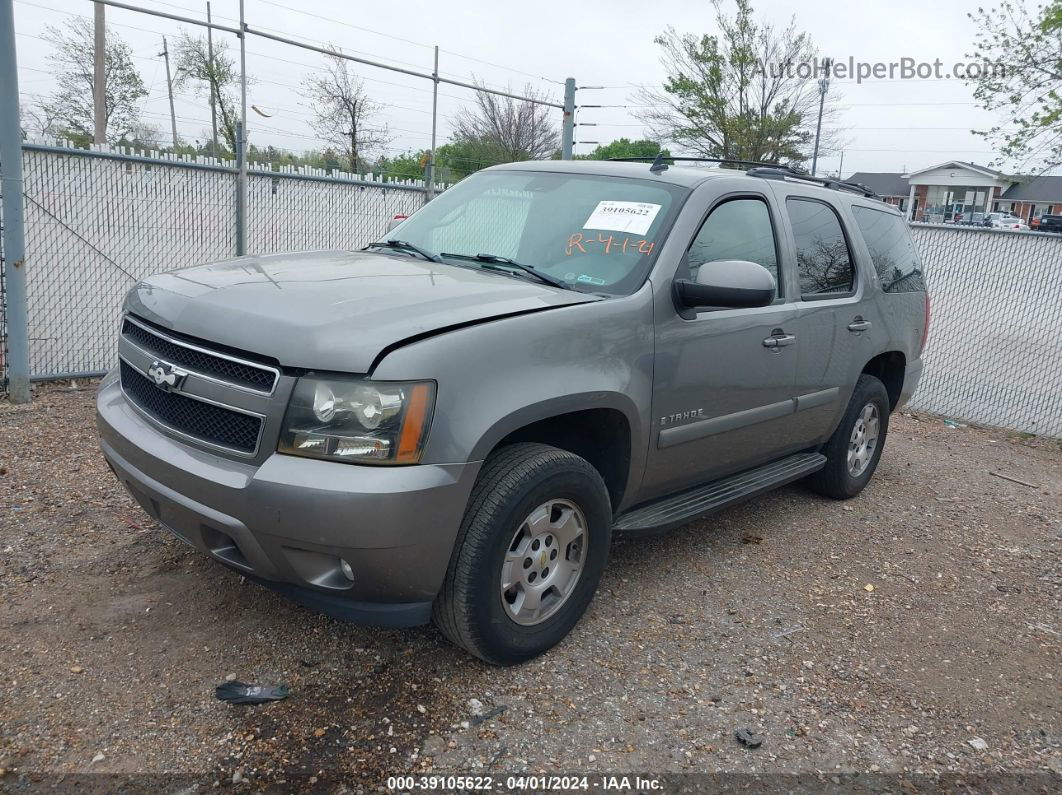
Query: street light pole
x=824, y=86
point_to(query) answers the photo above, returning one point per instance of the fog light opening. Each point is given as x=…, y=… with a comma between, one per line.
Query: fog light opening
x=348, y=572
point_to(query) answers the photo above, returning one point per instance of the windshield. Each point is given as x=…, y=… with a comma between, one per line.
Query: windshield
x=596, y=234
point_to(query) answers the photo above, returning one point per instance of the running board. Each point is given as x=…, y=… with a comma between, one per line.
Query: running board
x=681, y=508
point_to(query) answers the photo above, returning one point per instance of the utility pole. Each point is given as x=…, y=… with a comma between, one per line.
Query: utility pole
x=840, y=168
x=14, y=241
x=169, y=88
x=434, y=116
x=568, y=124
x=99, y=76
x=213, y=99
x=824, y=86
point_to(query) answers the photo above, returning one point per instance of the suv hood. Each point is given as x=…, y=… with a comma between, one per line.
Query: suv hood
x=332, y=310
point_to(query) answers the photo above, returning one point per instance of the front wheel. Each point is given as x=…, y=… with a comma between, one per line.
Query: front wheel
x=528, y=557
x=853, y=452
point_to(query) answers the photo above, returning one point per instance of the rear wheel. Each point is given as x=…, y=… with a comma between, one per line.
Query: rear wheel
x=853, y=452
x=529, y=554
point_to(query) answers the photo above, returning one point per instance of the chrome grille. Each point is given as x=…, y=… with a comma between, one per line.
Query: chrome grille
x=222, y=367
x=205, y=422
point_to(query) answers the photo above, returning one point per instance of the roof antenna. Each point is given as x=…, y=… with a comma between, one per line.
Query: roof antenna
x=658, y=164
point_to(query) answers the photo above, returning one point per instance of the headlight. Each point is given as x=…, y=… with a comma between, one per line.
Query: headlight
x=358, y=421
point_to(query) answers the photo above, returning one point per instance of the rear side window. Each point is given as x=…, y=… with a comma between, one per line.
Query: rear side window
x=823, y=260
x=737, y=229
x=891, y=250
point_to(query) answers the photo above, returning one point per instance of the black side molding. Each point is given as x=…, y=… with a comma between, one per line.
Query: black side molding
x=680, y=434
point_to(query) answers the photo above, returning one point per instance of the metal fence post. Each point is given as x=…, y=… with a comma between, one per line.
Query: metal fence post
x=14, y=241
x=430, y=187
x=241, y=191
x=568, y=126
x=241, y=146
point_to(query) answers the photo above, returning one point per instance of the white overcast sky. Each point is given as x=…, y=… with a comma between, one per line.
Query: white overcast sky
x=889, y=125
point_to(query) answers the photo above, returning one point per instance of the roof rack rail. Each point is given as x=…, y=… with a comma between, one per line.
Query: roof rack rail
x=785, y=173
x=756, y=168
x=659, y=163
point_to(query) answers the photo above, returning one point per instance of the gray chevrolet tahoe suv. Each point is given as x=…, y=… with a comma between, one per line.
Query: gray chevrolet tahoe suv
x=452, y=423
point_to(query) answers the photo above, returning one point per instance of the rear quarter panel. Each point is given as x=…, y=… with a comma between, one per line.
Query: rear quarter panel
x=900, y=316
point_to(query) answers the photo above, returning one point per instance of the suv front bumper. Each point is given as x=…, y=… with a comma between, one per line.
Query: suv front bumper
x=288, y=522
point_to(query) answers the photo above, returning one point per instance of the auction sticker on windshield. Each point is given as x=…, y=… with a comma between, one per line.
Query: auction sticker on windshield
x=633, y=217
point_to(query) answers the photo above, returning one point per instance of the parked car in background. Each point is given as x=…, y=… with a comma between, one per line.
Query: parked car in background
x=1050, y=223
x=1006, y=221
x=452, y=423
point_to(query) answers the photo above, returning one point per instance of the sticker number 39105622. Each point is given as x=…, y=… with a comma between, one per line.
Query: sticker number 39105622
x=634, y=218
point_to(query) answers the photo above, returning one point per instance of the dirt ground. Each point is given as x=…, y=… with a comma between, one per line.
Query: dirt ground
x=912, y=632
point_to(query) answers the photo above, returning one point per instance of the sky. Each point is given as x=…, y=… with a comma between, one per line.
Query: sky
x=887, y=125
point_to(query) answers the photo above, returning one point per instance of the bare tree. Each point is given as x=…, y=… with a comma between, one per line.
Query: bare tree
x=216, y=76
x=344, y=113
x=40, y=119
x=69, y=110
x=748, y=93
x=517, y=129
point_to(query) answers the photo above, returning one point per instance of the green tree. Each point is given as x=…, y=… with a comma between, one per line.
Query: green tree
x=69, y=109
x=624, y=147
x=1020, y=54
x=749, y=92
x=407, y=165
x=328, y=159
x=462, y=156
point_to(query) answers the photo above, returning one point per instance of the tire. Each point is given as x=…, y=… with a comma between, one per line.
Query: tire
x=837, y=478
x=519, y=485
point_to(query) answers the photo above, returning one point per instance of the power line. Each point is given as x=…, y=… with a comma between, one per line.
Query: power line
x=409, y=41
x=249, y=52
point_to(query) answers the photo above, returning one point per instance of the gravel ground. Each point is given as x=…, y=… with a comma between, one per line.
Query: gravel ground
x=915, y=630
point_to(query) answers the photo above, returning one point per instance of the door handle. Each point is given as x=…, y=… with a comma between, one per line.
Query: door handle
x=779, y=340
x=859, y=324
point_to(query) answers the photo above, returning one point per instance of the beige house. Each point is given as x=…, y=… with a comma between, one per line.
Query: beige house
x=941, y=193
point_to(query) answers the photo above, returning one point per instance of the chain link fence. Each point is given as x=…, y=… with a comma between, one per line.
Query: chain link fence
x=995, y=353
x=99, y=221
x=96, y=222
x=293, y=212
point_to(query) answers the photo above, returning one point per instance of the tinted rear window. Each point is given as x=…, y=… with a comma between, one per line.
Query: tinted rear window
x=891, y=250
x=823, y=260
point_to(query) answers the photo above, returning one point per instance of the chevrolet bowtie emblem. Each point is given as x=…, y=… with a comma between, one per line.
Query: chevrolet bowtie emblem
x=166, y=376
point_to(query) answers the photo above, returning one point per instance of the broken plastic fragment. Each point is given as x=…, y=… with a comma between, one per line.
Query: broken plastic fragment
x=240, y=693
x=748, y=739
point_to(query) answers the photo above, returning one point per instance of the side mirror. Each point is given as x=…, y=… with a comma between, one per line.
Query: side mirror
x=732, y=283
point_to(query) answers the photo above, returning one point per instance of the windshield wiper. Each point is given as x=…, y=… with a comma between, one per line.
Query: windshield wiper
x=495, y=259
x=402, y=245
